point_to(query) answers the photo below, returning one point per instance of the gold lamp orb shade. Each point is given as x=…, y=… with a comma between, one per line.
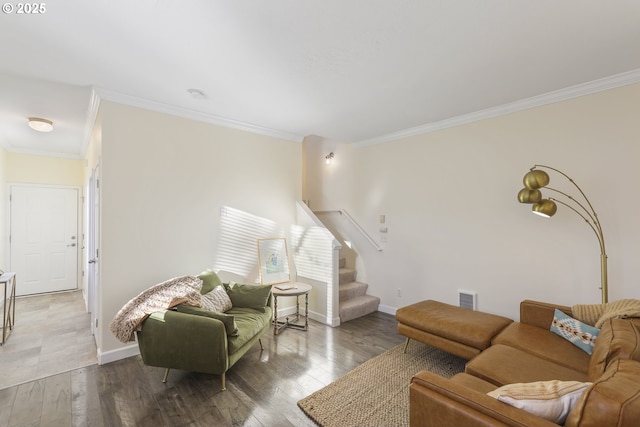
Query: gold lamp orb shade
x=546, y=208
x=536, y=179
x=529, y=196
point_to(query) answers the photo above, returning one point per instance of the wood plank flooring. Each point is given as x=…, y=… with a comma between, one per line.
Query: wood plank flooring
x=262, y=388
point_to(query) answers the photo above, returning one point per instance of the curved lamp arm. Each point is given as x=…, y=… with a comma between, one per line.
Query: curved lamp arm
x=536, y=179
x=594, y=218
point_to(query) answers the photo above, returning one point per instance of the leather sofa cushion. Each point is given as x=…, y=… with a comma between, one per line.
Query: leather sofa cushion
x=501, y=365
x=618, y=339
x=469, y=327
x=613, y=400
x=544, y=344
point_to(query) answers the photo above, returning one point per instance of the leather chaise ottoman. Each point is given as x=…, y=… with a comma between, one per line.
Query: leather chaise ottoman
x=457, y=330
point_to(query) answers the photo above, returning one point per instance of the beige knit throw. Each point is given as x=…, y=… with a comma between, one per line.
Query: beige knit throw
x=597, y=314
x=179, y=290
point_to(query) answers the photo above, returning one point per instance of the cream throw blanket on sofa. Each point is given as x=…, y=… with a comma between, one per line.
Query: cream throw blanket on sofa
x=597, y=314
x=179, y=290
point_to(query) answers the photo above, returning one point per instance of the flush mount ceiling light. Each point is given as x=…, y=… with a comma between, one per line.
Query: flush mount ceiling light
x=196, y=93
x=41, y=125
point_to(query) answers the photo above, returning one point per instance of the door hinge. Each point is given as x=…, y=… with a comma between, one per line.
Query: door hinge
x=96, y=323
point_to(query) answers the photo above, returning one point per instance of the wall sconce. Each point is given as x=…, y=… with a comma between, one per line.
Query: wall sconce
x=536, y=179
x=329, y=158
x=41, y=125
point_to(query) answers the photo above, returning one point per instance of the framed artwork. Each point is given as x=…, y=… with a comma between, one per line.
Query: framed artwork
x=273, y=261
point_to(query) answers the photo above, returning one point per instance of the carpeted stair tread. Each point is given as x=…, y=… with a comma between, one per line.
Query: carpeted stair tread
x=352, y=290
x=347, y=275
x=357, y=307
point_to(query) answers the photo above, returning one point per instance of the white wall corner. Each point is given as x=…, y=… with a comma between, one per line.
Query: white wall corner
x=117, y=354
x=387, y=309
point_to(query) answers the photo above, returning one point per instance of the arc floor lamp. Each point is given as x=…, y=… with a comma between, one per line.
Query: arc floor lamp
x=536, y=179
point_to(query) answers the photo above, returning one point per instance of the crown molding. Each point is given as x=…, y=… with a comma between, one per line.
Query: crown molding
x=186, y=113
x=92, y=115
x=44, y=153
x=606, y=83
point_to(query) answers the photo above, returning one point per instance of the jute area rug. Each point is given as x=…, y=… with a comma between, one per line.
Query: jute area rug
x=376, y=393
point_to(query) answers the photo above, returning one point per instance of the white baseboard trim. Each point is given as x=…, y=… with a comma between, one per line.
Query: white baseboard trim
x=387, y=309
x=324, y=319
x=117, y=354
x=312, y=315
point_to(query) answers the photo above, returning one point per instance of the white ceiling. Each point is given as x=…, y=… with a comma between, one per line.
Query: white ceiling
x=346, y=70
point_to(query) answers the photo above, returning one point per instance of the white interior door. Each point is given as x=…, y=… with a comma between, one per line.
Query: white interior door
x=44, y=238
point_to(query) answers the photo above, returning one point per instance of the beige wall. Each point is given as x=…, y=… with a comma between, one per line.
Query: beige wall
x=32, y=169
x=453, y=218
x=164, y=181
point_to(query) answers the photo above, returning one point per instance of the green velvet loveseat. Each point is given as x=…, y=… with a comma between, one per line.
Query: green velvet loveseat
x=200, y=340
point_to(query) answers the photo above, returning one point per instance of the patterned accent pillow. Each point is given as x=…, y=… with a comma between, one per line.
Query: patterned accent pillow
x=217, y=300
x=579, y=334
x=552, y=400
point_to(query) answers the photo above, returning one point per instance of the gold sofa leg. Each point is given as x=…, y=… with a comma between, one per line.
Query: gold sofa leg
x=260, y=341
x=223, y=378
x=406, y=344
x=166, y=374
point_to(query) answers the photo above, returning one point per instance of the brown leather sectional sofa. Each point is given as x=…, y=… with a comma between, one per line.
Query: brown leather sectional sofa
x=527, y=351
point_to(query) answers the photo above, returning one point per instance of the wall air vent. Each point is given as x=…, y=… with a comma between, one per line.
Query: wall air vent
x=468, y=299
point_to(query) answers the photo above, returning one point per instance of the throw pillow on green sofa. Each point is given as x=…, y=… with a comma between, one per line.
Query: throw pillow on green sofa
x=228, y=320
x=210, y=280
x=217, y=300
x=248, y=296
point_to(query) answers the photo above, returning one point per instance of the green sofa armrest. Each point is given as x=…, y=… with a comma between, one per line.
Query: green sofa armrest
x=170, y=339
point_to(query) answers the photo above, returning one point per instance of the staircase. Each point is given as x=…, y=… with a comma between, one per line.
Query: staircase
x=353, y=299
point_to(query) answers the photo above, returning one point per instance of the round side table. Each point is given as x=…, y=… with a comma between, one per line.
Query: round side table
x=291, y=289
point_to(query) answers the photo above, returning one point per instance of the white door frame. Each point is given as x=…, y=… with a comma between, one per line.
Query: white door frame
x=93, y=266
x=78, y=222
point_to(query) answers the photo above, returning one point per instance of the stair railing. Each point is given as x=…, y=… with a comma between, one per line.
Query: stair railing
x=355, y=225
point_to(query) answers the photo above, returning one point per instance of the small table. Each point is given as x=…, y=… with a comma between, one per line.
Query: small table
x=291, y=289
x=8, y=304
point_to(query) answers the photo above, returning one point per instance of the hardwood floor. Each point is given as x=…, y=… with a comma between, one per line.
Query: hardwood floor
x=262, y=388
